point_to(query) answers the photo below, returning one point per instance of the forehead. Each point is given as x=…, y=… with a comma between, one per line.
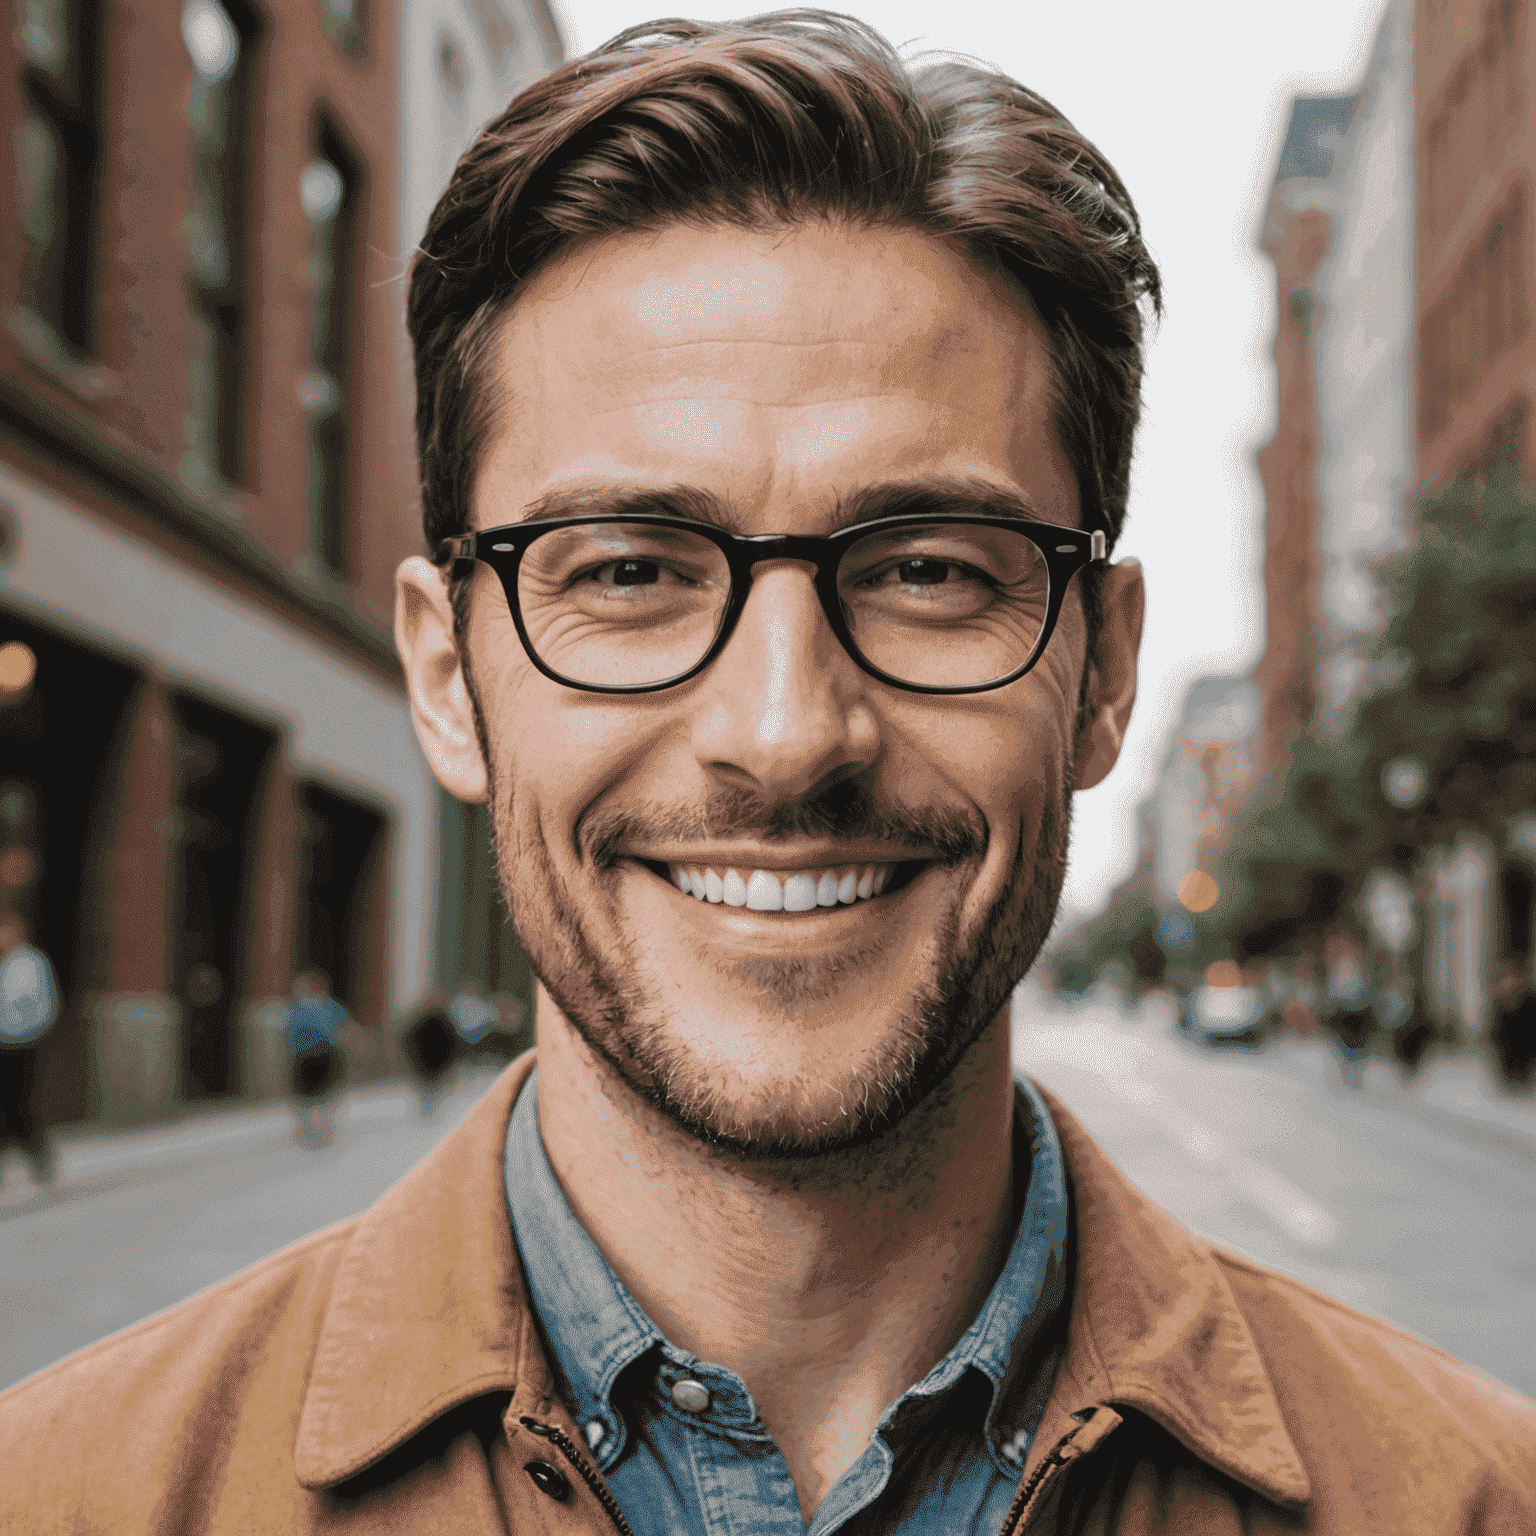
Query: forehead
x=777, y=368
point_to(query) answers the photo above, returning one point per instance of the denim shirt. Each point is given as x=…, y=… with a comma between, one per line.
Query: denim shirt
x=945, y=1457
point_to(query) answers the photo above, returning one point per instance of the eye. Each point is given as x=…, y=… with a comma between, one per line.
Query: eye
x=626, y=573
x=923, y=573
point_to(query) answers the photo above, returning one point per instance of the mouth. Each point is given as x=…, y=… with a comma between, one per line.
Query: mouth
x=787, y=890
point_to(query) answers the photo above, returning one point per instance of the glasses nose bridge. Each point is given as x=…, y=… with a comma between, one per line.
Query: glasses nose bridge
x=820, y=553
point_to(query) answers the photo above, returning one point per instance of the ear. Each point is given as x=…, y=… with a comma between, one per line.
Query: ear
x=440, y=704
x=1112, y=681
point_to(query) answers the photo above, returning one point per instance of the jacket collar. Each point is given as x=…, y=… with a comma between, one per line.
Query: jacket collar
x=429, y=1309
x=1154, y=1326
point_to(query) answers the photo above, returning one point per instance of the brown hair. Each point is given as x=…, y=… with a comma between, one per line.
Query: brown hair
x=770, y=122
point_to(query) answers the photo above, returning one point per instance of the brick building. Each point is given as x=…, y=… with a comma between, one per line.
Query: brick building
x=1297, y=234
x=1475, y=90
x=210, y=780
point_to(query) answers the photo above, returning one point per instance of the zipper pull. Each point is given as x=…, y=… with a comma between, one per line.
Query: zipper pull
x=1094, y=1427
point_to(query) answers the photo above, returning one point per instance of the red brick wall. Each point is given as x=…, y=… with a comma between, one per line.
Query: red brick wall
x=133, y=394
x=130, y=889
x=1475, y=85
x=1296, y=242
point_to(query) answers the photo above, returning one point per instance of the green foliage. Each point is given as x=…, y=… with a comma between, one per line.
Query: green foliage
x=1456, y=692
x=1462, y=646
x=1124, y=933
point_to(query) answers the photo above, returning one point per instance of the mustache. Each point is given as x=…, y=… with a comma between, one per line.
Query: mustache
x=846, y=812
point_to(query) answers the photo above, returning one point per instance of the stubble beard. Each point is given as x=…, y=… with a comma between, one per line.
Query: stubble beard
x=601, y=991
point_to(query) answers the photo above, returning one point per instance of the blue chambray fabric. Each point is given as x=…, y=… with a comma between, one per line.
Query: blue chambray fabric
x=947, y=1454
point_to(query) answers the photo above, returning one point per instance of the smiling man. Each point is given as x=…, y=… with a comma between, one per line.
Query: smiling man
x=775, y=408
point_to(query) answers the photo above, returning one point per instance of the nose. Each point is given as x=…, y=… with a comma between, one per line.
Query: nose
x=784, y=708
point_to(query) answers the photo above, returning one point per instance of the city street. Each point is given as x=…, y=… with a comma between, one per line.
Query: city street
x=1428, y=1223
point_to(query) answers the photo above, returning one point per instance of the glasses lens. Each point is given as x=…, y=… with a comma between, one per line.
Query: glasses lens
x=948, y=605
x=622, y=604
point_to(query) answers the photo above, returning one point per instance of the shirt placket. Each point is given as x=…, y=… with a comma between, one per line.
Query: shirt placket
x=741, y=1481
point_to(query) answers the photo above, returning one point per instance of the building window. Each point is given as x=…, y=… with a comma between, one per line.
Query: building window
x=330, y=189
x=345, y=23
x=1482, y=315
x=58, y=158
x=220, y=38
x=1478, y=110
x=497, y=28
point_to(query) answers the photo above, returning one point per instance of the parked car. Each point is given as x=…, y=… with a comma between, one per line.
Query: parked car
x=1226, y=1009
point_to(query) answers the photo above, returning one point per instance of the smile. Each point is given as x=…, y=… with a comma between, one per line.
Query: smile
x=762, y=890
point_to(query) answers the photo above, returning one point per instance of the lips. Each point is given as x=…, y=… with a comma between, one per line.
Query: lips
x=765, y=890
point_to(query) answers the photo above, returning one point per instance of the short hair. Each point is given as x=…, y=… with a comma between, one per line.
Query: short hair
x=769, y=123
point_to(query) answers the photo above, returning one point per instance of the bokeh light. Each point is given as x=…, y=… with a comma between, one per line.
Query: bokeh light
x=18, y=667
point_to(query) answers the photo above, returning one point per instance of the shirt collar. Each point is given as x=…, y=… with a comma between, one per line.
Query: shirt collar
x=595, y=1329
x=1015, y=1338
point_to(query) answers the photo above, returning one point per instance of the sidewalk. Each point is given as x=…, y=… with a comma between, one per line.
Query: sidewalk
x=86, y=1157
x=1455, y=1090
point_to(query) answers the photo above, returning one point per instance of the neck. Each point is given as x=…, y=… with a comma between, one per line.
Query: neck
x=830, y=1286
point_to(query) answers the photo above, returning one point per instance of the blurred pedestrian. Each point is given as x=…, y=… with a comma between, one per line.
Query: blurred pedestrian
x=316, y=1062
x=474, y=1017
x=1407, y=1022
x=29, y=1004
x=1349, y=1014
x=430, y=1045
x=1514, y=1024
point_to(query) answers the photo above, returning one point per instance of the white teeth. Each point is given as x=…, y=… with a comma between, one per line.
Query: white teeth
x=764, y=893
x=760, y=890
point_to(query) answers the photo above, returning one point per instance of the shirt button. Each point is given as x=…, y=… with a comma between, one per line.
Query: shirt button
x=691, y=1396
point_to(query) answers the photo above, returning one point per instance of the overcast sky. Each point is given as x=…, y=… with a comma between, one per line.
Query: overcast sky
x=1188, y=99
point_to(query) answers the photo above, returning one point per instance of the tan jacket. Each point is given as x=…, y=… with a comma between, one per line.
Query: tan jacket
x=386, y=1375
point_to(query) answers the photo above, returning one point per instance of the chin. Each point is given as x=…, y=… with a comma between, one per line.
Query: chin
x=857, y=1066
x=826, y=1094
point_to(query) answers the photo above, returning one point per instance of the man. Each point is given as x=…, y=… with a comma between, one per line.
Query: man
x=316, y=1062
x=29, y=1005
x=1514, y=1022
x=775, y=417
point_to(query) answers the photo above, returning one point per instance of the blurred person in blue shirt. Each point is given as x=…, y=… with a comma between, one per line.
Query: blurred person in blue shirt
x=316, y=1061
x=29, y=1005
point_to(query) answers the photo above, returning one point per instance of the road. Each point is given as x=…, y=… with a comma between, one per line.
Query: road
x=1426, y=1225
x=1263, y=1151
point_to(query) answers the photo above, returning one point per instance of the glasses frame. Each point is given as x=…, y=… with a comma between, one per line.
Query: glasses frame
x=1066, y=552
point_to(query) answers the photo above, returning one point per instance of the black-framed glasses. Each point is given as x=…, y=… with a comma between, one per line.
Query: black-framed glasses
x=931, y=602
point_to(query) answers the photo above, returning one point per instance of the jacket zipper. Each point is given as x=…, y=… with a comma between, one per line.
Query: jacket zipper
x=1027, y=1491
x=1099, y=1422
x=587, y=1473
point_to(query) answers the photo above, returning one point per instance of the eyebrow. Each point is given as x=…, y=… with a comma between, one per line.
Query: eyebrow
x=928, y=493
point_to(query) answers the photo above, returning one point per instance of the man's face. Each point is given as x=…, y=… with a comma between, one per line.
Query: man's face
x=779, y=372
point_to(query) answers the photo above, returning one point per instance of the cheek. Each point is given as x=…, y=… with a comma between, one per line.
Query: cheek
x=1005, y=755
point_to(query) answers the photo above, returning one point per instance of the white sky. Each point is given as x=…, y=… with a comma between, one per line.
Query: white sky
x=1188, y=99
